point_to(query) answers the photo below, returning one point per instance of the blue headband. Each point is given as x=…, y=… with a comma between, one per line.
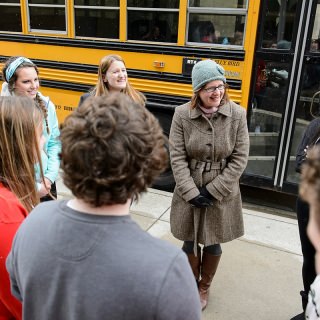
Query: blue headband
x=14, y=65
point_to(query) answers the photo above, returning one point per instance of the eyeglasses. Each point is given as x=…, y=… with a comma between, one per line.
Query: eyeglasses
x=213, y=89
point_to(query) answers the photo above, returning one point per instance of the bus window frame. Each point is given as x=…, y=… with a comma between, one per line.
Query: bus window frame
x=12, y=4
x=144, y=9
x=262, y=19
x=57, y=32
x=243, y=12
x=74, y=7
x=309, y=52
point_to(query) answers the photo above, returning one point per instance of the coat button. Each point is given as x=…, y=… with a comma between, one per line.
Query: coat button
x=209, y=144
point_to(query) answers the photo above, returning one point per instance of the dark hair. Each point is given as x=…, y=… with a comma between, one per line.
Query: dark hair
x=112, y=149
x=206, y=28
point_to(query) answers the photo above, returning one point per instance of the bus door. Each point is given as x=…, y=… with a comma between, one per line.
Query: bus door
x=307, y=106
x=281, y=43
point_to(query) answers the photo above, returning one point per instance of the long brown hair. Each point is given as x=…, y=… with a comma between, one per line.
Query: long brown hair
x=19, y=148
x=26, y=64
x=101, y=88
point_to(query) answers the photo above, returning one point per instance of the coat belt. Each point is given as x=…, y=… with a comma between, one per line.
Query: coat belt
x=207, y=166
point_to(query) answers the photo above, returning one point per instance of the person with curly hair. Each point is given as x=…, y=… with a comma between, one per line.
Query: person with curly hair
x=21, y=78
x=20, y=143
x=113, y=78
x=85, y=258
x=310, y=192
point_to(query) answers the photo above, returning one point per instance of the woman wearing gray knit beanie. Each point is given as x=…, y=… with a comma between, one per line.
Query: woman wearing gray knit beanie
x=209, y=147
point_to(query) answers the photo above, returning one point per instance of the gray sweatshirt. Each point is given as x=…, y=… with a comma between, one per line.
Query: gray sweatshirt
x=67, y=265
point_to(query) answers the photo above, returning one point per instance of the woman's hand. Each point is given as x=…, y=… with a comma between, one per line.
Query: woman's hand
x=204, y=192
x=45, y=187
x=200, y=202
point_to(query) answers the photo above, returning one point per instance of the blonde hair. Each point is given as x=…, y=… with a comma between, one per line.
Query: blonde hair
x=19, y=148
x=195, y=99
x=101, y=88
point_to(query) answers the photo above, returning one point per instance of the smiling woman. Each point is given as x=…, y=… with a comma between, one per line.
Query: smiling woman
x=21, y=77
x=209, y=151
x=27, y=83
x=113, y=78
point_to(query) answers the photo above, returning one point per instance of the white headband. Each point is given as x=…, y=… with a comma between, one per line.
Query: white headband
x=14, y=65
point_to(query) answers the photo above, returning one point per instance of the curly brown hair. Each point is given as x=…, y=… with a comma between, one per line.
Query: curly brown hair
x=112, y=149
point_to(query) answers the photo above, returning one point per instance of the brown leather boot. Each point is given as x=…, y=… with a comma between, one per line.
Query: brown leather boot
x=209, y=267
x=195, y=262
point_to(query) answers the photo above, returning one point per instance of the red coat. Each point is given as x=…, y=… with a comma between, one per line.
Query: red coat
x=12, y=213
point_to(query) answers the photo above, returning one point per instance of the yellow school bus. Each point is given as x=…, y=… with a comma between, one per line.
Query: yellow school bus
x=268, y=49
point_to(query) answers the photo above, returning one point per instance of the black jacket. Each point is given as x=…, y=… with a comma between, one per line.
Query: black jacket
x=309, y=138
x=83, y=97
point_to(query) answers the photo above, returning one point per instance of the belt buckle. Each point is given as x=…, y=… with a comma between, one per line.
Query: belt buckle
x=223, y=164
x=198, y=165
x=206, y=169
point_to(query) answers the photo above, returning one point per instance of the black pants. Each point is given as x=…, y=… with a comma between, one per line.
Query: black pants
x=214, y=249
x=53, y=191
x=308, y=251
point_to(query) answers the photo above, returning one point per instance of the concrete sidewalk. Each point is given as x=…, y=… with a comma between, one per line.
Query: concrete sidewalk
x=259, y=277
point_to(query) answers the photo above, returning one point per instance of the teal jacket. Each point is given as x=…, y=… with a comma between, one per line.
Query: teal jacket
x=52, y=147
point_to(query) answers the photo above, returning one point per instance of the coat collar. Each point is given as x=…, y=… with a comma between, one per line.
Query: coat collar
x=224, y=109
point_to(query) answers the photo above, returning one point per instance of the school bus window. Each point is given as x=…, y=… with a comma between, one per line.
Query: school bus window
x=46, y=16
x=226, y=29
x=174, y=4
x=219, y=4
x=99, y=19
x=278, y=25
x=10, y=16
x=105, y=3
x=315, y=41
x=157, y=22
x=47, y=2
x=220, y=24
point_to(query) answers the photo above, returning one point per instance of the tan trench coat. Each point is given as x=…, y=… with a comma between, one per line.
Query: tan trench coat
x=195, y=141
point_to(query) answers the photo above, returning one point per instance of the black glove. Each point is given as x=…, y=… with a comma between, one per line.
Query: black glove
x=204, y=192
x=200, y=202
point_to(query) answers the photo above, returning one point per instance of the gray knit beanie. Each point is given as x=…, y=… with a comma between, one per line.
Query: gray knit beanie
x=206, y=71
